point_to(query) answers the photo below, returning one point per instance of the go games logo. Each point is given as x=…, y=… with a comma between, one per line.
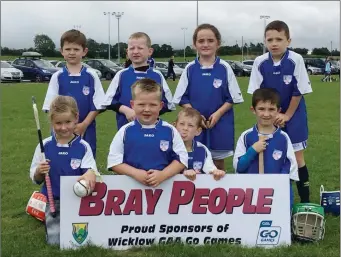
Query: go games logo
x=268, y=234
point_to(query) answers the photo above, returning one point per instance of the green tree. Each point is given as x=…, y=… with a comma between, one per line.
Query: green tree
x=44, y=45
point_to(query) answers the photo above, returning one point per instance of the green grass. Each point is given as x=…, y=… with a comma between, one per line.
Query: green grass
x=24, y=236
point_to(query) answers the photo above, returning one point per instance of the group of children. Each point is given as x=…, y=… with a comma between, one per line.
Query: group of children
x=151, y=150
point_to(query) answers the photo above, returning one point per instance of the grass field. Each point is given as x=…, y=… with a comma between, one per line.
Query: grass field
x=21, y=235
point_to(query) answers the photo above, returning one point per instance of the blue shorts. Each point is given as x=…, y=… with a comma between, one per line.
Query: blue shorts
x=297, y=126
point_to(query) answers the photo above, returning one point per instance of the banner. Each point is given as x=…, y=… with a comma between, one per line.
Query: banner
x=252, y=210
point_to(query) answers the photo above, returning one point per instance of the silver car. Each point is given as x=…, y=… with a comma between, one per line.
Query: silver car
x=61, y=64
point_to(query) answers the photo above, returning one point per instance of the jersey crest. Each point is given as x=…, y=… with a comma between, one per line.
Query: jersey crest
x=217, y=83
x=197, y=166
x=277, y=154
x=75, y=163
x=86, y=90
x=164, y=145
x=287, y=79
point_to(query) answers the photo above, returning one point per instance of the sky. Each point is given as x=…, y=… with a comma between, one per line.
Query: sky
x=312, y=24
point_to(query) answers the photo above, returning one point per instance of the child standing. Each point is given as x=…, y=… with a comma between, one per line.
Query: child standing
x=147, y=149
x=284, y=70
x=80, y=83
x=208, y=85
x=66, y=155
x=188, y=123
x=279, y=156
x=118, y=95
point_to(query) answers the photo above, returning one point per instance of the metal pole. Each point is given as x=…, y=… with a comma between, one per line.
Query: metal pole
x=242, y=48
x=331, y=48
x=108, y=13
x=118, y=41
x=184, y=29
x=265, y=17
x=197, y=20
x=118, y=15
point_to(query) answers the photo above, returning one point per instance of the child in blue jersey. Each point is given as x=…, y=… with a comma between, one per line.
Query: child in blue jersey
x=147, y=149
x=188, y=123
x=284, y=70
x=279, y=156
x=118, y=95
x=77, y=81
x=208, y=85
x=66, y=155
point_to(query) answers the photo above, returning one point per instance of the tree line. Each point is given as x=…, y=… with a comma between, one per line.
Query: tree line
x=44, y=45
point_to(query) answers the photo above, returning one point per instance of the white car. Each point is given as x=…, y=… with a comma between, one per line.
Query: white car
x=248, y=64
x=314, y=70
x=9, y=73
x=61, y=64
x=164, y=65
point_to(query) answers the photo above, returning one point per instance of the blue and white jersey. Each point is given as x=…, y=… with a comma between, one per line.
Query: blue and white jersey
x=279, y=156
x=200, y=159
x=72, y=159
x=207, y=89
x=289, y=77
x=147, y=147
x=119, y=90
x=85, y=87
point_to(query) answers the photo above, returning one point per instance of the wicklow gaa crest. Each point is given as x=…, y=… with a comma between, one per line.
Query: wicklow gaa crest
x=75, y=163
x=86, y=90
x=277, y=154
x=164, y=145
x=80, y=232
x=287, y=79
x=197, y=166
x=217, y=83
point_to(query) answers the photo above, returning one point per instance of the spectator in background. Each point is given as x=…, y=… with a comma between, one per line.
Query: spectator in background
x=327, y=71
x=171, y=68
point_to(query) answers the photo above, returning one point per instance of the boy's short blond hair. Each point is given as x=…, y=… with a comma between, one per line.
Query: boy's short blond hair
x=138, y=35
x=73, y=36
x=147, y=86
x=190, y=113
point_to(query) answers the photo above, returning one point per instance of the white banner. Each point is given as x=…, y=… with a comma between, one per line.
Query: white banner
x=246, y=209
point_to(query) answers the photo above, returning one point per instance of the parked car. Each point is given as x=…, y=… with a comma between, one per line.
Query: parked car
x=239, y=69
x=163, y=67
x=182, y=65
x=106, y=67
x=248, y=63
x=9, y=73
x=61, y=64
x=34, y=68
x=314, y=70
x=53, y=62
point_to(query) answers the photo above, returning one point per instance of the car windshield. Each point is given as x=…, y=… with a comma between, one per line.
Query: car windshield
x=86, y=65
x=6, y=65
x=109, y=64
x=43, y=63
x=239, y=64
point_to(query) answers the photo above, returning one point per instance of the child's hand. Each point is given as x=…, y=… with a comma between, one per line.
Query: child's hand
x=90, y=177
x=218, y=174
x=155, y=177
x=141, y=176
x=260, y=145
x=43, y=167
x=203, y=122
x=281, y=119
x=213, y=119
x=190, y=174
x=80, y=129
x=130, y=114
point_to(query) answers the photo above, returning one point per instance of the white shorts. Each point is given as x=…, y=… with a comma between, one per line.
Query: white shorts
x=300, y=146
x=220, y=154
